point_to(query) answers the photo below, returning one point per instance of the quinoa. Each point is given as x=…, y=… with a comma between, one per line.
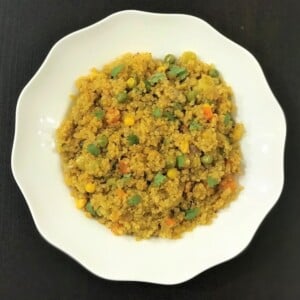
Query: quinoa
x=150, y=147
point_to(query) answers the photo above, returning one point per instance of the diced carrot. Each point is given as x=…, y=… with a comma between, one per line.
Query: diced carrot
x=117, y=228
x=123, y=167
x=112, y=116
x=229, y=183
x=120, y=193
x=170, y=222
x=207, y=112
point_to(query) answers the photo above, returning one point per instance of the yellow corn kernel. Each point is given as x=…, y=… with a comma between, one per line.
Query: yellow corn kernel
x=161, y=69
x=90, y=187
x=172, y=173
x=80, y=203
x=131, y=82
x=184, y=146
x=187, y=56
x=237, y=132
x=128, y=120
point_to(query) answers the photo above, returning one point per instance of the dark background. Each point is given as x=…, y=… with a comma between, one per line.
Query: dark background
x=269, y=268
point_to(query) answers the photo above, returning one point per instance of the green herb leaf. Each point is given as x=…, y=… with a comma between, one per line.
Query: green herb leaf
x=227, y=119
x=156, y=78
x=169, y=116
x=192, y=213
x=180, y=161
x=212, y=182
x=176, y=71
x=195, y=125
x=134, y=200
x=116, y=70
x=159, y=179
x=133, y=139
x=90, y=209
x=93, y=149
x=99, y=114
x=157, y=113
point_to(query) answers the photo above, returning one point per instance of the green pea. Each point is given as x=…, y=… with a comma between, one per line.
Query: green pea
x=122, y=97
x=191, y=96
x=170, y=59
x=93, y=149
x=157, y=112
x=227, y=119
x=99, y=114
x=103, y=141
x=207, y=159
x=134, y=200
x=133, y=139
x=213, y=73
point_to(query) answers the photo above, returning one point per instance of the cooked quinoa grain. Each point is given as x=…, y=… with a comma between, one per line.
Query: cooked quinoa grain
x=150, y=147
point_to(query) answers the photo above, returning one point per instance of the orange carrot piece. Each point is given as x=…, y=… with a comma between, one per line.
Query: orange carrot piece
x=116, y=228
x=170, y=222
x=229, y=183
x=207, y=112
x=112, y=116
x=123, y=167
x=120, y=193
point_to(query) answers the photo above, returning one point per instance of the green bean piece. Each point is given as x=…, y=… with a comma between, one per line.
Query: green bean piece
x=212, y=182
x=116, y=70
x=89, y=208
x=192, y=213
x=180, y=161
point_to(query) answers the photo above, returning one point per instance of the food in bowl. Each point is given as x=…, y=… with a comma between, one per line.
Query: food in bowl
x=150, y=147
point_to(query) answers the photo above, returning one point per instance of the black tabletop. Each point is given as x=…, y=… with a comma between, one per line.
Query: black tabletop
x=268, y=269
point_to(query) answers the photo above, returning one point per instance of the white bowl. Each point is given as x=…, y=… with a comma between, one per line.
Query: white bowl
x=36, y=165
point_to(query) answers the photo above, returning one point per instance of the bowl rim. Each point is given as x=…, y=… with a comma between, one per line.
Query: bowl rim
x=17, y=125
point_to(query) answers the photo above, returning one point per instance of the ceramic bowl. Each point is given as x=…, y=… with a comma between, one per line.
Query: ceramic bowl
x=36, y=165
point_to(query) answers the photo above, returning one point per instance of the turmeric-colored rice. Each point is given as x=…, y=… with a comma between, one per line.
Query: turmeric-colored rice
x=150, y=147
